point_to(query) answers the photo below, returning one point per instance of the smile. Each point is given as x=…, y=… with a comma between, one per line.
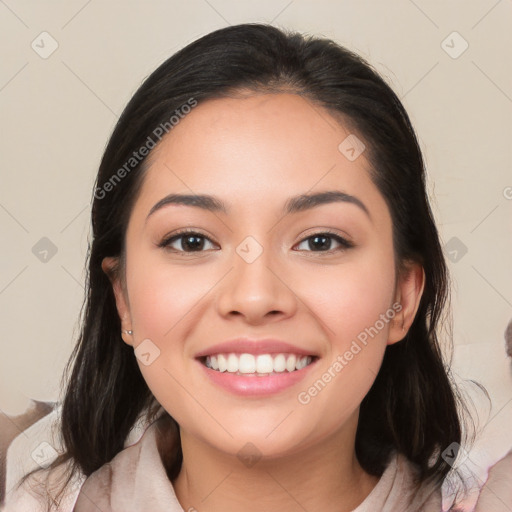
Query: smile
x=256, y=375
x=257, y=365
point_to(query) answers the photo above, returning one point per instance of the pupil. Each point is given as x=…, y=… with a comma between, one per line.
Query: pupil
x=192, y=245
x=325, y=243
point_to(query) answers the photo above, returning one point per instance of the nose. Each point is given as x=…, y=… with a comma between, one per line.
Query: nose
x=257, y=291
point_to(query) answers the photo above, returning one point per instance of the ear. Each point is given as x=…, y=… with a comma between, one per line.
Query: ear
x=110, y=266
x=408, y=293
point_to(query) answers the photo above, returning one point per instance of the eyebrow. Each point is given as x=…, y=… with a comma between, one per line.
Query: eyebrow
x=293, y=205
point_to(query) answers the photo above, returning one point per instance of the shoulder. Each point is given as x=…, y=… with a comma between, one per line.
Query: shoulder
x=135, y=479
x=29, y=441
x=115, y=478
x=427, y=497
x=397, y=491
x=98, y=489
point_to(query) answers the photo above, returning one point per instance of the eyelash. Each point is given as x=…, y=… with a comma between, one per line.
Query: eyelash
x=345, y=244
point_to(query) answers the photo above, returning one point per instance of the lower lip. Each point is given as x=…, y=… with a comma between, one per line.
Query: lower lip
x=254, y=385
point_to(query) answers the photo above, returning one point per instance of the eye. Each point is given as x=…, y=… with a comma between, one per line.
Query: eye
x=188, y=241
x=322, y=242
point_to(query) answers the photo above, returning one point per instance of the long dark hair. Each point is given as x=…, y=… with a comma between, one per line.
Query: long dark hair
x=413, y=405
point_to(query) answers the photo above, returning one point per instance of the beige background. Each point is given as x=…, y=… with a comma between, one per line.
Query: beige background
x=57, y=114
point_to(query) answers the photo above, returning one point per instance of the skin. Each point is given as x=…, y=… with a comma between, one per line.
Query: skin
x=254, y=153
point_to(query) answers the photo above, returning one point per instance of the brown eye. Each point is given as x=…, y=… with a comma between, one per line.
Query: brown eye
x=322, y=242
x=186, y=241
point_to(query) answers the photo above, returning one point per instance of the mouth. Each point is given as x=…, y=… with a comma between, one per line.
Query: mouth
x=257, y=365
x=256, y=368
x=256, y=375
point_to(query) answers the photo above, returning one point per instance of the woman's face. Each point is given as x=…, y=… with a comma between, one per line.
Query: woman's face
x=263, y=269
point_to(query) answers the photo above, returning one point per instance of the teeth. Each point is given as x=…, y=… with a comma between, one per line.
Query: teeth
x=279, y=363
x=247, y=363
x=262, y=364
x=232, y=363
x=291, y=360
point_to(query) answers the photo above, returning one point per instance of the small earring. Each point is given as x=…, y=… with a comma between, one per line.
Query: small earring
x=128, y=332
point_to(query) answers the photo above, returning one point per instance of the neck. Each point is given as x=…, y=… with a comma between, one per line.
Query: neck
x=326, y=476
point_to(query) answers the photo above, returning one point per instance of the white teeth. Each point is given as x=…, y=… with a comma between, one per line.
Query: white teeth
x=232, y=363
x=264, y=364
x=290, y=363
x=247, y=363
x=279, y=363
x=223, y=364
x=260, y=364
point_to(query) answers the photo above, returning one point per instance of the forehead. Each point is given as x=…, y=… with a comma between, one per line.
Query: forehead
x=259, y=148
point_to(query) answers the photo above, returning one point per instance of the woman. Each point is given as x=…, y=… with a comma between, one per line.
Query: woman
x=264, y=246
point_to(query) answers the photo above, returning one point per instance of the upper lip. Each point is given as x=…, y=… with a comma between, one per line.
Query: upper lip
x=254, y=346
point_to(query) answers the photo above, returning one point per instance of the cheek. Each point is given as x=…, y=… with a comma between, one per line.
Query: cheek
x=354, y=304
x=162, y=294
x=164, y=302
x=349, y=299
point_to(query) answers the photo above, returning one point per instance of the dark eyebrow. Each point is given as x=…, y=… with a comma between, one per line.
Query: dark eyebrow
x=206, y=202
x=307, y=201
x=293, y=205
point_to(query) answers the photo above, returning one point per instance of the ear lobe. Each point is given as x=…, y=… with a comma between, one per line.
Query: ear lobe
x=410, y=288
x=110, y=265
